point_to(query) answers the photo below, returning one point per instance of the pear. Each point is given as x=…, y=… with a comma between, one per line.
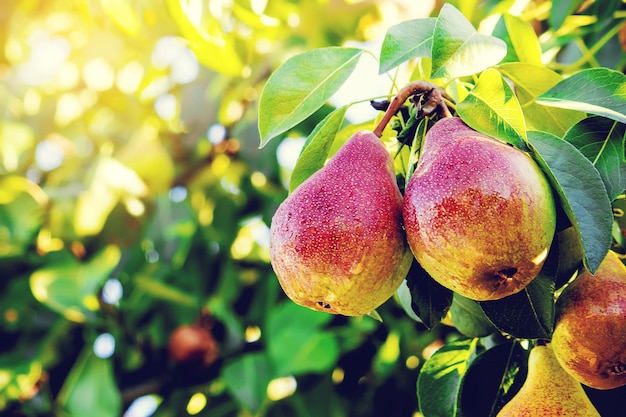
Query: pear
x=548, y=390
x=337, y=242
x=479, y=214
x=589, y=337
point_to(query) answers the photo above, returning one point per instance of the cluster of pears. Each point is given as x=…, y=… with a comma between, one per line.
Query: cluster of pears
x=588, y=347
x=477, y=214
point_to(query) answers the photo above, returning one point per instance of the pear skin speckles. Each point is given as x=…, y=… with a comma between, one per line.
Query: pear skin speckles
x=589, y=337
x=479, y=214
x=337, y=243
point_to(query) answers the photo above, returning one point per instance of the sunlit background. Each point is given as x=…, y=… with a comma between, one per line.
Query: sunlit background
x=135, y=202
x=133, y=195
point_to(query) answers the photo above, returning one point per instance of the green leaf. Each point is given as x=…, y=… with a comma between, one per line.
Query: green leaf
x=440, y=378
x=602, y=141
x=603, y=11
x=570, y=255
x=491, y=380
x=290, y=314
x=22, y=213
x=300, y=350
x=403, y=296
x=247, y=377
x=316, y=148
x=581, y=191
x=492, y=108
x=70, y=287
x=520, y=38
x=430, y=301
x=171, y=230
x=468, y=318
x=560, y=10
x=20, y=371
x=155, y=288
x=530, y=82
x=90, y=389
x=301, y=85
x=528, y=314
x=458, y=49
x=295, y=342
x=406, y=40
x=599, y=91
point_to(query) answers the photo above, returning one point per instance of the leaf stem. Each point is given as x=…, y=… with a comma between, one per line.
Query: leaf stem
x=608, y=137
x=589, y=55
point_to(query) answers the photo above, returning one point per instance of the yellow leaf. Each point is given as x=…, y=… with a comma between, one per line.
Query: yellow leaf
x=123, y=15
x=214, y=48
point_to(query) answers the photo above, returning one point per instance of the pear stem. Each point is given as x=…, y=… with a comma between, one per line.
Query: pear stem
x=436, y=99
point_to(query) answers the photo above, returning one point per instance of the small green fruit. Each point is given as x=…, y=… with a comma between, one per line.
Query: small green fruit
x=337, y=243
x=479, y=214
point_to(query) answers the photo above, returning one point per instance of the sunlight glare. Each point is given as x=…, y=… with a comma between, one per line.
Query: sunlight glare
x=68, y=76
x=288, y=151
x=69, y=108
x=172, y=52
x=166, y=106
x=98, y=74
x=48, y=155
x=258, y=6
x=48, y=54
x=129, y=77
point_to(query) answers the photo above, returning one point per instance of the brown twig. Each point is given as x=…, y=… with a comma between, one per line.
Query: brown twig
x=436, y=99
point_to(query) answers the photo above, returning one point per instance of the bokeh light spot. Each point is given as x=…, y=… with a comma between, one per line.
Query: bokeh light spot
x=196, y=403
x=258, y=179
x=144, y=406
x=252, y=334
x=178, y=194
x=280, y=388
x=48, y=155
x=69, y=108
x=98, y=74
x=288, y=151
x=216, y=133
x=104, y=345
x=112, y=291
x=166, y=106
x=129, y=77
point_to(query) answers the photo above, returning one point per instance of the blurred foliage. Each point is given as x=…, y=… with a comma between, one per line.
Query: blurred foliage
x=134, y=200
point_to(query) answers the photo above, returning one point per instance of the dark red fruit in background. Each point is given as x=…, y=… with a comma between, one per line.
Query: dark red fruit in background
x=192, y=343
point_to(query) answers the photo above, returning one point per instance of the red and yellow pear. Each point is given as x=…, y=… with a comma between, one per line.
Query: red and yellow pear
x=337, y=243
x=479, y=213
x=589, y=337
